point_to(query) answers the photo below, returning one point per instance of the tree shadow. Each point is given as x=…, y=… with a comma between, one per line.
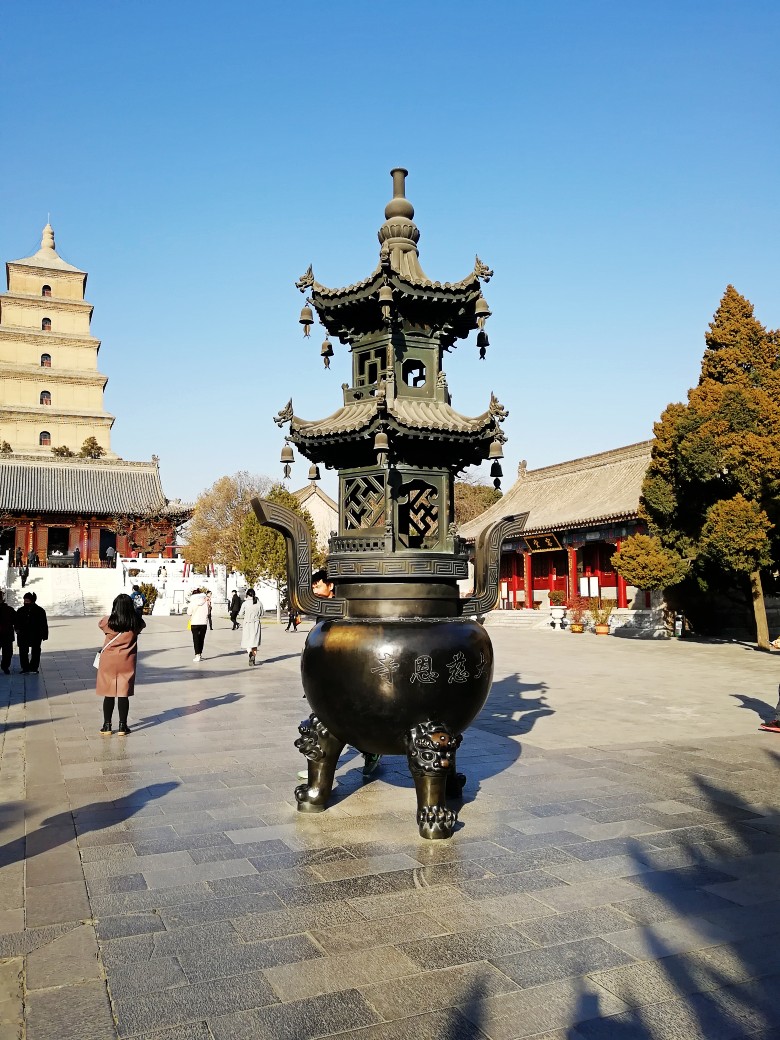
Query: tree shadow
x=725, y=984
x=59, y=829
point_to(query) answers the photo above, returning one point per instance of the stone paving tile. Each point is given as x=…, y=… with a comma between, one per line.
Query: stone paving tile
x=346, y=971
x=368, y=935
x=558, y=1004
x=394, y=903
x=70, y=1011
x=587, y=894
x=298, y=1020
x=464, y=947
x=576, y=924
x=144, y=899
x=55, y=904
x=138, y=1013
x=431, y=990
x=68, y=959
x=145, y=976
x=449, y=1024
x=192, y=1031
x=290, y=922
x=236, y=959
x=185, y=914
x=131, y=924
x=666, y=937
x=648, y=909
x=507, y=884
x=551, y=963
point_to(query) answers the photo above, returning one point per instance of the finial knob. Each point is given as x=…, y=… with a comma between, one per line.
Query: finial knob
x=47, y=238
x=399, y=206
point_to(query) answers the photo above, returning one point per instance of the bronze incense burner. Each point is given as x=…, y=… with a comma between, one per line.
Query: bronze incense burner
x=397, y=662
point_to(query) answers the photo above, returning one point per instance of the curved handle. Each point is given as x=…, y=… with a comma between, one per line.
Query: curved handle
x=296, y=540
x=487, y=561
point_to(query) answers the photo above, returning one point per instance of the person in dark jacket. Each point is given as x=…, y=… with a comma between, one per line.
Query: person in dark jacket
x=7, y=619
x=32, y=629
x=24, y=574
x=233, y=608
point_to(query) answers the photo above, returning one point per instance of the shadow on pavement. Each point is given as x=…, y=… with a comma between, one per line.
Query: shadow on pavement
x=58, y=829
x=725, y=983
x=764, y=711
x=149, y=721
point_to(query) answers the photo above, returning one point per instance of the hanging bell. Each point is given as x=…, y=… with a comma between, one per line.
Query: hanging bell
x=386, y=301
x=481, y=311
x=495, y=470
x=496, y=451
x=326, y=352
x=483, y=343
x=314, y=472
x=287, y=458
x=381, y=446
x=306, y=319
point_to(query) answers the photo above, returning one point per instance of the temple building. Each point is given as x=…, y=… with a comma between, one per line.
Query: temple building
x=579, y=513
x=51, y=397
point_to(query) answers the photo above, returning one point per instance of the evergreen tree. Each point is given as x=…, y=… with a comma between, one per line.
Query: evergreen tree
x=90, y=449
x=712, y=490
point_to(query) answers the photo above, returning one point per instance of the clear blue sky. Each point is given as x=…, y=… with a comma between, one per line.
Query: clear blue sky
x=615, y=163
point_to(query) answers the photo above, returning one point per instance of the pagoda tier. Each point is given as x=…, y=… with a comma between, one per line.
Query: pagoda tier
x=396, y=440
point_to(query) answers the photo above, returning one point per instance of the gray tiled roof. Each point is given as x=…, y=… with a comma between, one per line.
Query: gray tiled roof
x=597, y=489
x=30, y=484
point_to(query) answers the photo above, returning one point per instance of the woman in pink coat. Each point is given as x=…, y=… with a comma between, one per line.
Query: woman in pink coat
x=118, y=660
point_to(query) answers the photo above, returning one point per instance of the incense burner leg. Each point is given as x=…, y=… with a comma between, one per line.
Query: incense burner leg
x=431, y=750
x=455, y=781
x=322, y=750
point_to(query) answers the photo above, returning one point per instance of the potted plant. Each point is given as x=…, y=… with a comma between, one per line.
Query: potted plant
x=601, y=613
x=578, y=610
x=557, y=608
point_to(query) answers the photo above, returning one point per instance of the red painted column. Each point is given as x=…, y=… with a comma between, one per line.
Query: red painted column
x=571, y=552
x=528, y=580
x=622, y=593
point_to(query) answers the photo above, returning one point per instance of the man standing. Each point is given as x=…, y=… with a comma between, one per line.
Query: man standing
x=111, y=555
x=32, y=629
x=77, y=557
x=233, y=608
x=24, y=574
x=7, y=618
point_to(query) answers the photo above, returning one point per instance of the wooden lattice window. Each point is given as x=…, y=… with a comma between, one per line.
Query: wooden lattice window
x=418, y=515
x=413, y=372
x=371, y=366
x=364, y=503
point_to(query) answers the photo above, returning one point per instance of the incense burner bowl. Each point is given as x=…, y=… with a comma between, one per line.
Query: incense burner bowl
x=403, y=686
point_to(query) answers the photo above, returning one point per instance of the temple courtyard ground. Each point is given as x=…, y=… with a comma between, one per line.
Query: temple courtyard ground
x=613, y=875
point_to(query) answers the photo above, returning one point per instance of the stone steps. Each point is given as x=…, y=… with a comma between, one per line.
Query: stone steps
x=66, y=592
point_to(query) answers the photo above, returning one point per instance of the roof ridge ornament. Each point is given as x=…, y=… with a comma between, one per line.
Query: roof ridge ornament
x=306, y=281
x=285, y=415
x=481, y=271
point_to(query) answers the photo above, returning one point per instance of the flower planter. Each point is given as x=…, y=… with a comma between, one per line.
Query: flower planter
x=576, y=626
x=602, y=630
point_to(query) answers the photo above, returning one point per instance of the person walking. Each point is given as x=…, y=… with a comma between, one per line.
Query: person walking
x=139, y=600
x=234, y=606
x=24, y=574
x=208, y=600
x=111, y=556
x=7, y=618
x=292, y=621
x=198, y=610
x=32, y=629
x=118, y=661
x=18, y=556
x=250, y=614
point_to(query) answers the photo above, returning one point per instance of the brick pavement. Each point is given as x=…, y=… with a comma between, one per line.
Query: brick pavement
x=612, y=877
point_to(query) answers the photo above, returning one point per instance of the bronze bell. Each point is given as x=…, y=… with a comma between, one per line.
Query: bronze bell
x=306, y=319
x=381, y=443
x=314, y=472
x=287, y=454
x=496, y=450
x=326, y=352
x=386, y=301
x=481, y=311
x=483, y=343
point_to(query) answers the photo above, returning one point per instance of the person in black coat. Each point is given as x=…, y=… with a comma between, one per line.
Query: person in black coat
x=24, y=574
x=7, y=620
x=234, y=608
x=32, y=628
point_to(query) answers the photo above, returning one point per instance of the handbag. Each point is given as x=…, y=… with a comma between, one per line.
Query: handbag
x=96, y=661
